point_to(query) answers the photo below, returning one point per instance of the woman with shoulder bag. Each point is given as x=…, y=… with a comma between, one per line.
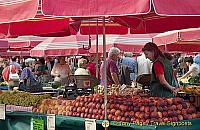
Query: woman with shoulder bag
x=28, y=81
x=162, y=78
x=10, y=75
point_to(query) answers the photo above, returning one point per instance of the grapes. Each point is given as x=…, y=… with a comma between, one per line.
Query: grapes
x=19, y=98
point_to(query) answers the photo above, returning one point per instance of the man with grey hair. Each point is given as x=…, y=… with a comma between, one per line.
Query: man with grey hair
x=112, y=71
x=131, y=63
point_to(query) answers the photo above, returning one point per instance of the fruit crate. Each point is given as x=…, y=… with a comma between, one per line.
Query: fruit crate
x=195, y=99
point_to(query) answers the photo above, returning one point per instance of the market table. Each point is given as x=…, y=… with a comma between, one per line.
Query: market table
x=21, y=120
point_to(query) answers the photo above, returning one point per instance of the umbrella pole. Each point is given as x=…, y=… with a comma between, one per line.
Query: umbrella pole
x=97, y=44
x=105, y=77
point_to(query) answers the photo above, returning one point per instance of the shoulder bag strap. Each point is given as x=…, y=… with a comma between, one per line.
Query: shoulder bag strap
x=10, y=68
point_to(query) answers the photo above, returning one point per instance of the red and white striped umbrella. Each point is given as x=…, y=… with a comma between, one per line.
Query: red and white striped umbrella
x=25, y=42
x=58, y=46
x=129, y=42
x=15, y=53
x=186, y=40
x=3, y=45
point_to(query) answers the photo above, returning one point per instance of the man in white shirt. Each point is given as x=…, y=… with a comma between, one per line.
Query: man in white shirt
x=143, y=65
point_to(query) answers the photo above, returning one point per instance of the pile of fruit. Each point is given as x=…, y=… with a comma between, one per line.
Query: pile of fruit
x=120, y=90
x=3, y=84
x=193, y=80
x=52, y=106
x=19, y=98
x=119, y=108
x=191, y=90
x=112, y=89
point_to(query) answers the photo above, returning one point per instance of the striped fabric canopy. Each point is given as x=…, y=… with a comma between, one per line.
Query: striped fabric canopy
x=129, y=42
x=61, y=46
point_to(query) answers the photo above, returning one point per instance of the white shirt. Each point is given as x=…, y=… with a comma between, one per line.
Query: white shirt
x=62, y=70
x=196, y=69
x=143, y=65
x=81, y=71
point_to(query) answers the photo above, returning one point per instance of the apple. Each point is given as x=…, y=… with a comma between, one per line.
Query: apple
x=180, y=117
x=154, y=115
x=117, y=113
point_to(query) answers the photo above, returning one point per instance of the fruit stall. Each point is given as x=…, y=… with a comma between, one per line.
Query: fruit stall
x=25, y=110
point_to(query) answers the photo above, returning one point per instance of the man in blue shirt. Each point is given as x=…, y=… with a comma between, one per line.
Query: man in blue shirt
x=131, y=63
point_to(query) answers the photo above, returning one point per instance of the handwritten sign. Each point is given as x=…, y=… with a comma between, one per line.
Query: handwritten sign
x=51, y=122
x=90, y=124
x=2, y=112
x=37, y=124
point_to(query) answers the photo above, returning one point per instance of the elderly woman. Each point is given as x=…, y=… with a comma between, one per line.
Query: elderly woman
x=162, y=78
x=27, y=78
x=82, y=63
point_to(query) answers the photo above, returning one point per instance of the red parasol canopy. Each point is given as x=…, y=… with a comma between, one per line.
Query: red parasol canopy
x=15, y=53
x=37, y=26
x=129, y=43
x=163, y=16
x=3, y=45
x=186, y=40
x=15, y=10
x=58, y=46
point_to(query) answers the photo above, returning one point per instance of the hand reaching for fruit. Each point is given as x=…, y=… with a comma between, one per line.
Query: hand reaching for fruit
x=175, y=91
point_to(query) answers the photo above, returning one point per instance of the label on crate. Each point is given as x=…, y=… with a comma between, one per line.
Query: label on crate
x=37, y=124
x=105, y=123
x=90, y=124
x=2, y=112
x=51, y=122
x=18, y=108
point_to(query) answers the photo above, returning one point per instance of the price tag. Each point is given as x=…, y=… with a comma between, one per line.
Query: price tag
x=51, y=122
x=105, y=123
x=37, y=124
x=2, y=112
x=90, y=124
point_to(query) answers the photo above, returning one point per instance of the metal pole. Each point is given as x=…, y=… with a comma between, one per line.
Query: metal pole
x=97, y=50
x=105, y=77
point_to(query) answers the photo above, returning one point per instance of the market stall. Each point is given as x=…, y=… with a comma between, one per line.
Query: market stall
x=124, y=112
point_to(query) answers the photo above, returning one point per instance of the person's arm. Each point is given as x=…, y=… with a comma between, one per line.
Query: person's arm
x=115, y=78
x=159, y=72
x=163, y=81
x=188, y=73
x=69, y=71
x=114, y=72
x=53, y=72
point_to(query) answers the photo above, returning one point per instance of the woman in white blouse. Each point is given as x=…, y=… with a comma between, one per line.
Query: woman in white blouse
x=61, y=71
x=194, y=68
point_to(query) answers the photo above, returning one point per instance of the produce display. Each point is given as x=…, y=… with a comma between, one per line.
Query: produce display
x=52, y=106
x=19, y=98
x=195, y=79
x=3, y=84
x=191, y=90
x=120, y=108
x=122, y=90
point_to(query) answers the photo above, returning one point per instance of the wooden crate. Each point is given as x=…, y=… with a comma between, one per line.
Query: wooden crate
x=195, y=99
